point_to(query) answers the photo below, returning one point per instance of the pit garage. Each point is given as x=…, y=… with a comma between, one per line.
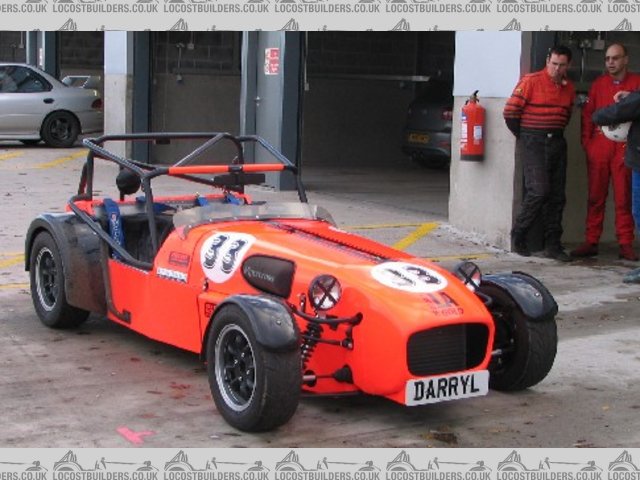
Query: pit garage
x=356, y=87
x=344, y=109
x=336, y=102
x=347, y=118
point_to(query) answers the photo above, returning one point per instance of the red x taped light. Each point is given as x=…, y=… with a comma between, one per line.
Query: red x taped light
x=324, y=292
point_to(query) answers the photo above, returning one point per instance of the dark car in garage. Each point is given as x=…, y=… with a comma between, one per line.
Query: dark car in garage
x=427, y=131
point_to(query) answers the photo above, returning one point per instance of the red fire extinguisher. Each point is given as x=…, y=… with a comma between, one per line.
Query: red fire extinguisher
x=472, y=134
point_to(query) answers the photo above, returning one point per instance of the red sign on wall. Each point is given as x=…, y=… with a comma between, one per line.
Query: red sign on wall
x=271, y=61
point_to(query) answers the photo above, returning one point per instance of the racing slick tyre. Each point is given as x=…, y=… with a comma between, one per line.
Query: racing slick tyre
x=253, y=388
x=46, y=274
x=528, y=348
x=60, y=130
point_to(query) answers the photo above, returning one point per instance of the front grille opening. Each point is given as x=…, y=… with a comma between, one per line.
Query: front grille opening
x=447, y=349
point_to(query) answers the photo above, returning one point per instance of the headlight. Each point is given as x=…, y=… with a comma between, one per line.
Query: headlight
x=324, y=292
x=469, y=273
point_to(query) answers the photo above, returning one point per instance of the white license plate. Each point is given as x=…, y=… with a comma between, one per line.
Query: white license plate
x=446, y=387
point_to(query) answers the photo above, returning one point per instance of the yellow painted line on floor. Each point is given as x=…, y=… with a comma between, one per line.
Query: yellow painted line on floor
x=61, y=160
x=462, y=256
x=7, y=286
x=416, y=235
x=10, y=262
x=381, y=226
x=7, y=156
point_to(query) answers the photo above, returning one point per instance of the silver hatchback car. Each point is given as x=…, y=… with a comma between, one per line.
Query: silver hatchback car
x=35, y=106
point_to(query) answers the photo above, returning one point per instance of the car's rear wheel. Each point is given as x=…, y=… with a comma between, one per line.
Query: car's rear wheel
x=47, y=285
x=60, y=130
x=526, y=349
x=30, y=142
x=253, y=388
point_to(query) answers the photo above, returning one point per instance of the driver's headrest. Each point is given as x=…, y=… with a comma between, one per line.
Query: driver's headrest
x=128, y=182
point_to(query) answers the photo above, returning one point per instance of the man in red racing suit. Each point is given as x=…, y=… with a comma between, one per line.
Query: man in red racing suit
x=605, y=159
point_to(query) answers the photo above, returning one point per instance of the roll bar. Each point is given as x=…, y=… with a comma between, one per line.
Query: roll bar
x=183, y=168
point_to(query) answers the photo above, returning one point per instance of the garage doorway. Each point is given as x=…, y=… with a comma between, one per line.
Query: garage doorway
x=358, y=87
x=195, y=86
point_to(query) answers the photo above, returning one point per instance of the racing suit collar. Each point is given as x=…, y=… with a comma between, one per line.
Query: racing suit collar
x=563, y=82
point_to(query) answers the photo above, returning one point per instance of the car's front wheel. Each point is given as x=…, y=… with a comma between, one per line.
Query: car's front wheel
x=254, y=389
x=60, y=130
x=47, y=285
x=524, y=349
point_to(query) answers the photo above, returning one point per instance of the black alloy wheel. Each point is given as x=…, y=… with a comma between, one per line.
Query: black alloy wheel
x=46, y=274
x=254, y=388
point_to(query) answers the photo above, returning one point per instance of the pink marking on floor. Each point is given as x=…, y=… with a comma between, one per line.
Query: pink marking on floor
x=134, y=437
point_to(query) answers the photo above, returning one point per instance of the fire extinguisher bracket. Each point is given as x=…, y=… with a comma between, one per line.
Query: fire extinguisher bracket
x=472, y=120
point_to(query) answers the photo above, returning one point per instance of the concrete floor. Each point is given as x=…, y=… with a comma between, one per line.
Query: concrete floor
x=77, y=388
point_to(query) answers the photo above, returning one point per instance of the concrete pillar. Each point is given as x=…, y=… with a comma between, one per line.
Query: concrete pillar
x=49, y=51
x=485, y=195
x=141, y=104
x=32, y=48
x=42, y=51
x=118, y=87
x=292, y=100
x=248, y=89
x=271, y=97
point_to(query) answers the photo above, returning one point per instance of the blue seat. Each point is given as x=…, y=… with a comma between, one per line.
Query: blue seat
x=114, y=223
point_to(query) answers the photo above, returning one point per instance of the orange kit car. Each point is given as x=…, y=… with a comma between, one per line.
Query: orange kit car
x=274, y=297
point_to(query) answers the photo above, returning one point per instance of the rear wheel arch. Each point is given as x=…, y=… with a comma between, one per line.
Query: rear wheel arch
x=66, y=112
x=79, y=249
x=28, y=245
x=40, y=225
x=47, y=277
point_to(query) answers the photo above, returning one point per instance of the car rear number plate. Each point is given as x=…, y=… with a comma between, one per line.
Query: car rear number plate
x=418, y=138
x=447, y=387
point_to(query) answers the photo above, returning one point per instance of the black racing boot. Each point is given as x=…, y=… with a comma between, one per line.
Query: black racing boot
x=557, y=252
x=519, y=242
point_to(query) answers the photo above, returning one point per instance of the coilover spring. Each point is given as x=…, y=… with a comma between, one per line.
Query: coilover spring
x=310, y=336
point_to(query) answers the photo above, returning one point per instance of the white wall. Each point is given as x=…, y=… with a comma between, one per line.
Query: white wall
x=482, y=193
x=488, y=62
x=118, y=87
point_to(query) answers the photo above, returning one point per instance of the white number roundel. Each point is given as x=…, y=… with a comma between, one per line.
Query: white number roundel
x=408, y=277
x=222, y=254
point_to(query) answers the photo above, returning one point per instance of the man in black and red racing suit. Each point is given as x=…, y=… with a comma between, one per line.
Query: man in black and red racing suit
x=537, y=113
